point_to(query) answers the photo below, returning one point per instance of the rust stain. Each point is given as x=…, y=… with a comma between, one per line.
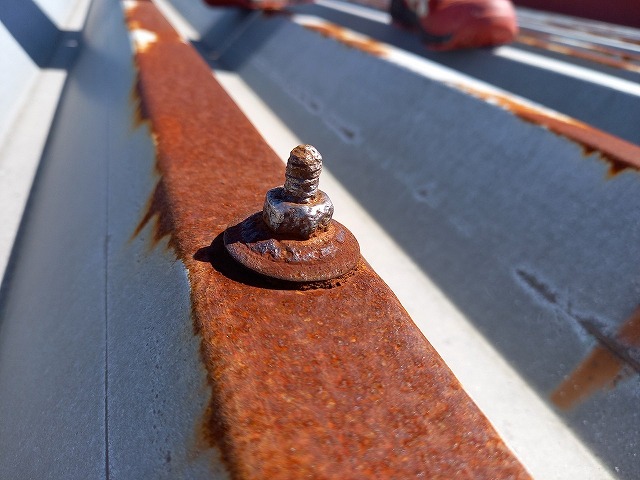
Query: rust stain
x=343, y=36
x=609, y=57
x=319, y=383
x=623, y=12
x=608, y=363
x=618, y=153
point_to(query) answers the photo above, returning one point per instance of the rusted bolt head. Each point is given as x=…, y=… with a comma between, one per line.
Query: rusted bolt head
x=299, y=209
x=296, y=219
x=294, y=237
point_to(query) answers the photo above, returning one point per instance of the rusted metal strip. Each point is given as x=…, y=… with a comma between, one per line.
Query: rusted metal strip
x=332, y=382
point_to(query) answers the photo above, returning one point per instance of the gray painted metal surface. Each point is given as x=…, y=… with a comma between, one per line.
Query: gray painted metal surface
x=39, y=42
x=30, y=37
x=99, y=368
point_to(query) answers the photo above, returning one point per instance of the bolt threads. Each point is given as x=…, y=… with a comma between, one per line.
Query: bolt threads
x=303, y=174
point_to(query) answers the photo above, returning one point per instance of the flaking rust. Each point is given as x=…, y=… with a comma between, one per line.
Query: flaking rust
x=317, y=383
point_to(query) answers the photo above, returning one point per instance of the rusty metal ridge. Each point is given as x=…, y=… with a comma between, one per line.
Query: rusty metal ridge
x=332, y=382
x=607, y=56
x=619, y=154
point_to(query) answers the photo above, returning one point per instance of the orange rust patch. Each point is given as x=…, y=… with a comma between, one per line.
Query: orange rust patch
x=603, y=368
x=342, y=35
x=630, y=332
x=600, y=370
x=319, y=383
x=618, y=153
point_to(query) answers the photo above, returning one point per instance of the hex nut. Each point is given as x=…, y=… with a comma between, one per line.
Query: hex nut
x=300, y=220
